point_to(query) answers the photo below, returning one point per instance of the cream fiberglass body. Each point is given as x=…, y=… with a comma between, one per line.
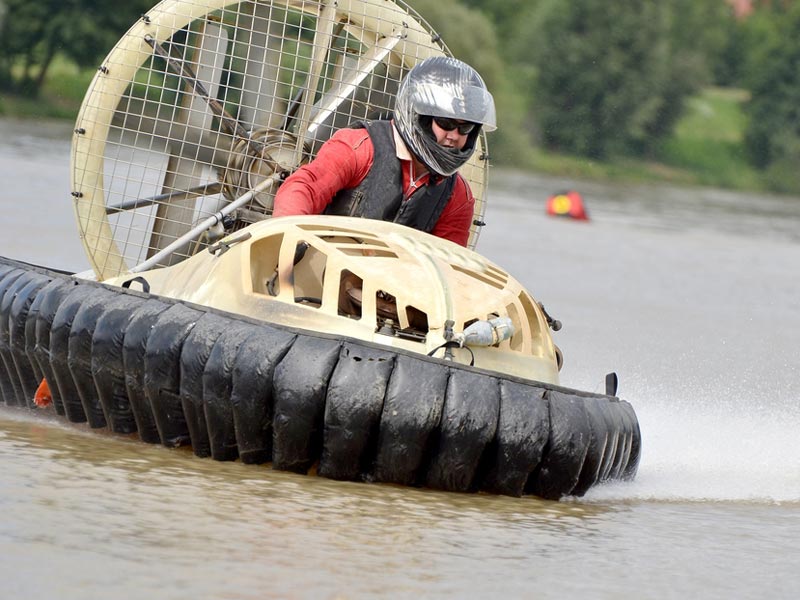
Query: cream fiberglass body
x=369, y=280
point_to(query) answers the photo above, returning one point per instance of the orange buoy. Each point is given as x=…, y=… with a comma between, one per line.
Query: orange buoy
x=567, y=204
x=43, y=397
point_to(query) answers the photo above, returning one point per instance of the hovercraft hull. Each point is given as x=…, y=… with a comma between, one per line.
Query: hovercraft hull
x=234, y=387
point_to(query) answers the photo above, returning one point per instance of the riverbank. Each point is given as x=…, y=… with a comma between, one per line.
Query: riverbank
x=705, y=149
x=60, y=97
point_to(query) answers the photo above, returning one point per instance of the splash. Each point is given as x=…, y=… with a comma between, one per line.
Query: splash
x=719, y=449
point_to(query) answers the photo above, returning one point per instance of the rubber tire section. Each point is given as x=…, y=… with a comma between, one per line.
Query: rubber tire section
x=233, y=387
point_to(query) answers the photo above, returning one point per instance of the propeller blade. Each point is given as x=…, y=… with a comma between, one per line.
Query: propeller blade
x=259, y=45
x=185, y=172
x=323, y=35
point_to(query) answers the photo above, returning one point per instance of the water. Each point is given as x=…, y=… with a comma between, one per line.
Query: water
x=691, y=295
x=38, y=224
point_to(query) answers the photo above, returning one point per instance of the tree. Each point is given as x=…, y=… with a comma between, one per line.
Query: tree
x=772, y=136
x=611, y=77
x=697, y=35
x=4, y=75
x=597, y=64
x=505, y=14
x=3, y=11
x=33, y=33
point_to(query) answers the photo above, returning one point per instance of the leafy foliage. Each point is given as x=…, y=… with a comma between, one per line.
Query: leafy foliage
x=611, y=78
x=33, y=32
x=772, y=137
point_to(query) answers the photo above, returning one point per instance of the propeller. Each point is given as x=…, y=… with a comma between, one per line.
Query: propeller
x=202, y=108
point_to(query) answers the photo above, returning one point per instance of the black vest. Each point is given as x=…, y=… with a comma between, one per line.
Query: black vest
x=380, y=194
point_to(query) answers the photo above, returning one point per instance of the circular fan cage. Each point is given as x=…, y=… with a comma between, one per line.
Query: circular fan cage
x=204, y=106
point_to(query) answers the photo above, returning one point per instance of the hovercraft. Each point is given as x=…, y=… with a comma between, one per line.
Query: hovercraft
x=356, y=349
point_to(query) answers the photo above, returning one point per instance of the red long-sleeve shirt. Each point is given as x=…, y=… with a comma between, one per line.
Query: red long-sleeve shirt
x=344, y=161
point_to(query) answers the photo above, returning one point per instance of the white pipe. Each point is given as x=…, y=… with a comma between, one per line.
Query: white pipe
x=209, y=222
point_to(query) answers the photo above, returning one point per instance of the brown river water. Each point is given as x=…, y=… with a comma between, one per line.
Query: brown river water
x=691, y=295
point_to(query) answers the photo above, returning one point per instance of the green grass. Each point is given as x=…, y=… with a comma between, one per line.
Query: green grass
x=708, y=141
x=618, y=169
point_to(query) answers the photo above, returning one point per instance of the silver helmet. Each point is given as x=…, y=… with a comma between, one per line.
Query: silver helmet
x=442, y=87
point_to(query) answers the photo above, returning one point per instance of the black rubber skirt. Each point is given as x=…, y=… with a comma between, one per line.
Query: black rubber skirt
x=237, y=388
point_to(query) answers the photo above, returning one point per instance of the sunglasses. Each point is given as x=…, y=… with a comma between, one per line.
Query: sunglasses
x=450, y=124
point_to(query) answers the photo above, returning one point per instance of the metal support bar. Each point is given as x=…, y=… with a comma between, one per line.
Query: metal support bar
x=208, y=189
x=209, y=222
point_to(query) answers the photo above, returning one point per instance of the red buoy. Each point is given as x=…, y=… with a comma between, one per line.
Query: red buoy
x=567, y=204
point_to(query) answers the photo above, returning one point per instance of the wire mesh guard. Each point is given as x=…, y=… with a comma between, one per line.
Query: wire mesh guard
x=198, y=110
